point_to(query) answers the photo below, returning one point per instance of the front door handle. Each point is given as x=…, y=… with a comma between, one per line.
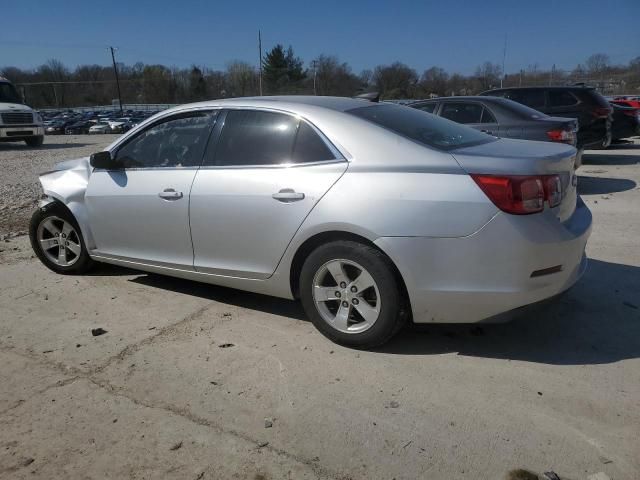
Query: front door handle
x=488, y=132
x=288, y=195
x=170, y=194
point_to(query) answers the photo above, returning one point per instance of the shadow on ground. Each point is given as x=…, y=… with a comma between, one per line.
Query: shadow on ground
x=610, y=159
x=598, y=321
x=602, y=185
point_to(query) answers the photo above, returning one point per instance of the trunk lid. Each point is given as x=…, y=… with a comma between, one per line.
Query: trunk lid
x=525, y=157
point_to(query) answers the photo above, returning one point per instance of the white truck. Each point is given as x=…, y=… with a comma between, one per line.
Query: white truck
x=18, y=122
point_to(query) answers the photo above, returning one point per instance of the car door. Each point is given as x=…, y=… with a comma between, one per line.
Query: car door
x=140, y=212
x=264, y=174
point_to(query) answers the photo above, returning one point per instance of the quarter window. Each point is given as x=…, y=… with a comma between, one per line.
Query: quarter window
x=309, y=147
x=462, y=112
x=487, y=116
x=177, y=142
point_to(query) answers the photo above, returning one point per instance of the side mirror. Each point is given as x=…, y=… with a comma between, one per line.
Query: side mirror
x=103, y=160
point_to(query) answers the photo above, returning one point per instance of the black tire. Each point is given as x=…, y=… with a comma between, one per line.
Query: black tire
x=393, y=310
x=57, y=211
x=35, y=141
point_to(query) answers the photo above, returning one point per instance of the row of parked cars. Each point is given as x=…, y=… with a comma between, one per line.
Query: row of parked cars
x=576, y=115
x=93, y=122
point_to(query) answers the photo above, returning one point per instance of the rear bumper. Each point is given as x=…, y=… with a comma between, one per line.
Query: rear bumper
x=475, y=278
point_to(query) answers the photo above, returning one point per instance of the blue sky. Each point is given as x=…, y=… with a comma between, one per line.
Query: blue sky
x=456, y=35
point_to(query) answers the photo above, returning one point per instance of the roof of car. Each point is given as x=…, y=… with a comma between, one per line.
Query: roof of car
x=460, y=97
x=340, y=104
x=552, y=87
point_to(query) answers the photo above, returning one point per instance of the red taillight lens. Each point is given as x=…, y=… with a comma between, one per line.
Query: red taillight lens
x=565, y=136
x=519, y=194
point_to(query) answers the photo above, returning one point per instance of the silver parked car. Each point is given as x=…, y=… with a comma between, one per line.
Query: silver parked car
x=370, y=213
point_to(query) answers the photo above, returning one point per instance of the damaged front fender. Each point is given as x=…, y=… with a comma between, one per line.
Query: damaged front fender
x=67, y=183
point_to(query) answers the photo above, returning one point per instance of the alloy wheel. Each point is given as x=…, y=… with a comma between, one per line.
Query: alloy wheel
x=346, y=296
x=59, y=241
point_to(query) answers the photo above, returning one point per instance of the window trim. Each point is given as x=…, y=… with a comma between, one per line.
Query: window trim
x=339, y=156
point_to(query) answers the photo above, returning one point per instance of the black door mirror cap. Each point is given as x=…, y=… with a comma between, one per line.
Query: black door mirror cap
x=103, y=160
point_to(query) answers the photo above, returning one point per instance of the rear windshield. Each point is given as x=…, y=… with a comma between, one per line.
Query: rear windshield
x=421, y=127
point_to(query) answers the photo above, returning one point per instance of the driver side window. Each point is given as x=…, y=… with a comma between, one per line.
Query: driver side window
x=177, y=142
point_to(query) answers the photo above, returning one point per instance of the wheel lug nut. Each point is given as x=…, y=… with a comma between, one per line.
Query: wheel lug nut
x=343, y=285
x=337, y=294
x=355, y=301
x=354, y=289
x=345, y=304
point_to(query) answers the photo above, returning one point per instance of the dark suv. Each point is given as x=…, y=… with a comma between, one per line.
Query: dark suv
x=585, y=104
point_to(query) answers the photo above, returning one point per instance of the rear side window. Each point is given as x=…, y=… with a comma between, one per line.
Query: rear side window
x=252, y=137
x=561, y=98
x=177, y=142
x=462, y=112
x=309, y=147
x=420, y=127
x=530, y=98
x=427, y=107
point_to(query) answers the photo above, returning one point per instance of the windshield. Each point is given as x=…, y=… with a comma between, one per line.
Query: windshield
x=421, y=127
x=8, y=93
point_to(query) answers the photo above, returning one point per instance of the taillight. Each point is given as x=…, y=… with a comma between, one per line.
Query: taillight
x=565, y=136
x=552, y=190
x=601, y=112
x=521, y=194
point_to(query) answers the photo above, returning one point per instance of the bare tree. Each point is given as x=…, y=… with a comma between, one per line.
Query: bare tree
x=395, y=81
x=597, y=63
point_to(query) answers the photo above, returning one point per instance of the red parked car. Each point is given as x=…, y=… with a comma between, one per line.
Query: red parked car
x=627, y=101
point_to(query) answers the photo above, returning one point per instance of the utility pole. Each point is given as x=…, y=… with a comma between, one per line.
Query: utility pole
x=115, y=70
x=504, y=57
x=315, y=72
x=260, y=61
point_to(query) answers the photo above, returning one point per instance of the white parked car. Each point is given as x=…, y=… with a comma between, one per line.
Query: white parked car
x=101, y=127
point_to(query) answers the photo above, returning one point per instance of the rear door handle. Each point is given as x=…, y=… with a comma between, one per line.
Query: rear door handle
x=170, y=194
x=288, y=195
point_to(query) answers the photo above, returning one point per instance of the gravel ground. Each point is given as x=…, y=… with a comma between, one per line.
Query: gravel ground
x=20, y=166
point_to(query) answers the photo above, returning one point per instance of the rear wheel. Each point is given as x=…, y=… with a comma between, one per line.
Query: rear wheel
x=35, y=141
x=57, y=240
x=351, y=293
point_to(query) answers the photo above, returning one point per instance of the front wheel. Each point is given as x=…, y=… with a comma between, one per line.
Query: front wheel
x=57, y=240
x=352, y=294
x=35, y=141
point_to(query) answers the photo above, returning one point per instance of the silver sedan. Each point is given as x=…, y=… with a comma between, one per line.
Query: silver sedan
x=371, y=214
